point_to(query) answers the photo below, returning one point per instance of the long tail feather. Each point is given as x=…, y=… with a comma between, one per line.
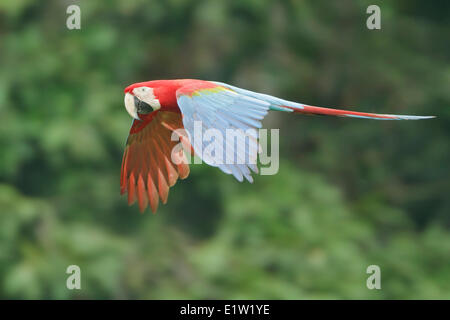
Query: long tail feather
x=353, y=114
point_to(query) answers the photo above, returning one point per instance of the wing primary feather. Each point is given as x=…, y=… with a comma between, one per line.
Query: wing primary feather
x=152, y=194
x=131, y=189
x=141, y=194
x=123, y=172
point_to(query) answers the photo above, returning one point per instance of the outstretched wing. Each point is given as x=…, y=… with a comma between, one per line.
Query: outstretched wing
x=209, y=106
x=147, y=168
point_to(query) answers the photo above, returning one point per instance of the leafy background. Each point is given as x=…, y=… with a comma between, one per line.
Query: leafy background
x=350, y=193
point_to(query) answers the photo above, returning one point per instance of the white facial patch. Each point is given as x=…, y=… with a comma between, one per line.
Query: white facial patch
x=147, y=95
x=129, y=105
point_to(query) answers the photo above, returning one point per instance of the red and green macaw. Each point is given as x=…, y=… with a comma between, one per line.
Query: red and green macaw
x=160, y=107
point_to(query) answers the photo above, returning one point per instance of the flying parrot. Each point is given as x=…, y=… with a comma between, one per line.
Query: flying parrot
x=161, y=107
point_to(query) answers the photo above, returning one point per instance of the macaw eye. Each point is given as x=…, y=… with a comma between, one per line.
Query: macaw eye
x=142, y=107
x=147, y=100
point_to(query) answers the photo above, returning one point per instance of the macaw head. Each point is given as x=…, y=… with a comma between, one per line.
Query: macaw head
x=140, y=99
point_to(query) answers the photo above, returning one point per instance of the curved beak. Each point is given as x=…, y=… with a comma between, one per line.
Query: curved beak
x=130, y=106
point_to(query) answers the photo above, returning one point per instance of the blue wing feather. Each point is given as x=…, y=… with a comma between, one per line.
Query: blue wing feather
x=223, y=109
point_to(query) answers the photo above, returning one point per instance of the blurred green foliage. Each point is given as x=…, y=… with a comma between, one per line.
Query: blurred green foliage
x=349, y=193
